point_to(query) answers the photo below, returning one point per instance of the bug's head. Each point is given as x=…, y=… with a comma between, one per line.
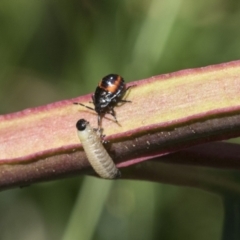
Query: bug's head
x=81, y=124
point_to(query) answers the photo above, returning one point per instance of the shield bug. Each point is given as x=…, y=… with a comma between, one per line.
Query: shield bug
x=108, y=94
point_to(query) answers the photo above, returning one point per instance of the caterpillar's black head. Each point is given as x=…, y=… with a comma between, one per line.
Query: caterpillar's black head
x=81, y=124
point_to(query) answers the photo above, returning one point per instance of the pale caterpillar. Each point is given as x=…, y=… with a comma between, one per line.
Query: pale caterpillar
x=97, y=155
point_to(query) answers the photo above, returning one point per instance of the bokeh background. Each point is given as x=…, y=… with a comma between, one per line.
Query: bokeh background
x=55, y=50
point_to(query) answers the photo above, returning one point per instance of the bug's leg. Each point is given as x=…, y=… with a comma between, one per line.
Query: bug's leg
x=112, y=112
x=128, y=88
x=93, y=100
x=99, y=121
x=84, y=106
x=99, y=132
x=102, y=136
x=123, y=100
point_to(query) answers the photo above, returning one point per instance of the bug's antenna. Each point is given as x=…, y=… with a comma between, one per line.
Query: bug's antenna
x=76, y=103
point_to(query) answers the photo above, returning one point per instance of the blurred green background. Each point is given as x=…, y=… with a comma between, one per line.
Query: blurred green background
x=55, y=50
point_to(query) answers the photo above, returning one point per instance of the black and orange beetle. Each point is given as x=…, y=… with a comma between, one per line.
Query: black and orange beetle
x=108, y=94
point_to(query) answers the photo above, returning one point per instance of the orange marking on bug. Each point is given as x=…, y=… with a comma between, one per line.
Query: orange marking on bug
x=112, y=87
